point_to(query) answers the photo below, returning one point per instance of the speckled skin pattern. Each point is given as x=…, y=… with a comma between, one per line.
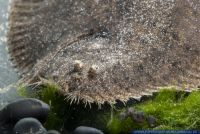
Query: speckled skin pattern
x=125, y=48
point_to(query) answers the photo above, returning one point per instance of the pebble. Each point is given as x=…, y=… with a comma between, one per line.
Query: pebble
x=151, y=121
x=23, y=108
x=87, y=130
x=139, y=117
x=53, y=132
x=130, y=111
x=6, y=129
x=122, y=116
x=29, y=126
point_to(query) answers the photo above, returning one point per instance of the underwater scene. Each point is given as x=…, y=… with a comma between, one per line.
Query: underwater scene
x=99, y=66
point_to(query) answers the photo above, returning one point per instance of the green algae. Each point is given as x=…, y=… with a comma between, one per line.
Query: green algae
x=174, y=110
x=21, y=90
x=49, y=93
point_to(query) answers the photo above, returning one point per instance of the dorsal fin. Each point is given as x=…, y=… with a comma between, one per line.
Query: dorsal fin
x=21, y=25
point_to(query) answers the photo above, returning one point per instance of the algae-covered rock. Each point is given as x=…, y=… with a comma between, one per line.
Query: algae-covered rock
x=169, y=110
x=151, y=121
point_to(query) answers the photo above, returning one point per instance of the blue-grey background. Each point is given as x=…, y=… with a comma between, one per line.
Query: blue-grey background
x=7, y=74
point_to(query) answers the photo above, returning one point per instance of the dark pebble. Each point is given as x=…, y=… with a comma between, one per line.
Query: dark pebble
x=86, y=130
x=29, y=126
x=23, y=108
x=130, y=111
x=53, y=132
x=6, y=129
x=122, y=116
x=146, y=98
x=151, y=121
x=139, y=117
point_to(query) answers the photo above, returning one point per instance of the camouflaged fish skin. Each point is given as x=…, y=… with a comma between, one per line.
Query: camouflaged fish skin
x=107, y=50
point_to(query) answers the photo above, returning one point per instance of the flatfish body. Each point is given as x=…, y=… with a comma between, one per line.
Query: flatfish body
x=107, y=50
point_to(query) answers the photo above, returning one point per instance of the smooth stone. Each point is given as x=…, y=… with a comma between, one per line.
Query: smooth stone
x=130, y=111
x=53, y=132
x=23, y=108
x=139, y=117
x=146, y=97
x=87, y=130
x=122, y=116
x=29, y=126
x=151, y=121
x=6, y=129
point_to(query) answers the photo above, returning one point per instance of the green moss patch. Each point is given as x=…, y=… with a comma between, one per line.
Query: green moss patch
x=173, y=111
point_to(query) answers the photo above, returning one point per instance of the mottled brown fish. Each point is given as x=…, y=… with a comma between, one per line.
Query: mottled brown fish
x=107, y=50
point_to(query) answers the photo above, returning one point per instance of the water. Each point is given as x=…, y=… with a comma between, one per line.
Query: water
x=7, y=72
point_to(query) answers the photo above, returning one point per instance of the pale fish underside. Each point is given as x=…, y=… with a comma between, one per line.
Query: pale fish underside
x=107, y=50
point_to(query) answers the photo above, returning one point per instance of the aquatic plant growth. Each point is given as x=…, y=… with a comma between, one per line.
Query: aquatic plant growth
x=49, y=94
x=172, y=110
x=168, y=110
